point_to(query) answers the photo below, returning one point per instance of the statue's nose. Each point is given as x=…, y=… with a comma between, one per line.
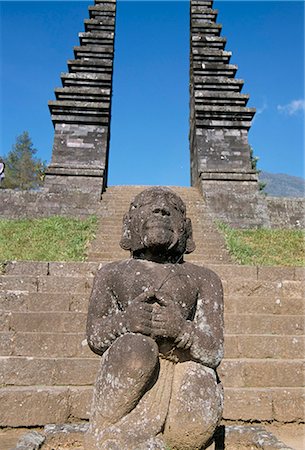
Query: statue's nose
x=161, y=210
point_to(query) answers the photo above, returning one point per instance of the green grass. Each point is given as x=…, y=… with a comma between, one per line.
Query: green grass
x=51, y=239
x=265, y=247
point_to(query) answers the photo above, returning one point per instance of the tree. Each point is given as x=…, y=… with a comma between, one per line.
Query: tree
x=22, y=169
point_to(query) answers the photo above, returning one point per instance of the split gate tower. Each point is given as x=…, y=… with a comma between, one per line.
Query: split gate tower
x=219, y=118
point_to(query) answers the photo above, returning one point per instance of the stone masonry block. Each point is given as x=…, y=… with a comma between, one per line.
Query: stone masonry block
x=16, y=301
x=273, y=373
x=260, y=373
x=30, y=371
x=293, y=289
x=265, y=347
x=26, y=268
x=263, y=324
x=65, y=284
x=33, y=406
x=18, y=283
x=231, y=349
x=80, y=402
x=252, y=288
x=49, y=345
x=72, y=269
x=299, y=273
x=288, y=405
x=59, y=322
x=230, y=372
x=13, y=301
x=247, y=404
x=5, y=321
x=276, y=273
x=230, y=271
x=7, y=343
x=265, y=305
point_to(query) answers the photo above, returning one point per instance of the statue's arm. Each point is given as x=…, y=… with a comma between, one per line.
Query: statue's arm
x=108, y=318
x=103, y=314
x=203, y=335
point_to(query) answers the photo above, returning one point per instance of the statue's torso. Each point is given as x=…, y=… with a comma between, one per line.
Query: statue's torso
x=137, y=276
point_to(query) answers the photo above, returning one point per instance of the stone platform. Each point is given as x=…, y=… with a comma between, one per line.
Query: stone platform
x=230, y=437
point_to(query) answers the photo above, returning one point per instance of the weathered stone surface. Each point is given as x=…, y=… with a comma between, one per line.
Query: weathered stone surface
x=62, y=322
x=26, y=268
x=264, y=324
x=30, y=441
x=157, y=321
x=72, y=269
x=286, y=212
x=30, y=371
x=32, y=406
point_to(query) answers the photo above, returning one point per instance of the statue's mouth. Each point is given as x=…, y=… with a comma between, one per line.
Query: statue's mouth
x=158, y=225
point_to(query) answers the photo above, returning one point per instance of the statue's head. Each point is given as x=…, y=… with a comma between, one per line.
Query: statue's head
x=157, y=221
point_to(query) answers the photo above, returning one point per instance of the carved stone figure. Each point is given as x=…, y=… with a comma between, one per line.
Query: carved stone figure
x=157, y=322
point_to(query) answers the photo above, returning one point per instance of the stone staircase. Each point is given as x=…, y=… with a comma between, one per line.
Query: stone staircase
x=210, y=246
x=47, y=370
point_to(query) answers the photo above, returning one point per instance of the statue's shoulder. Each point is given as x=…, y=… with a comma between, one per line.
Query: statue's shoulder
x=114, y=268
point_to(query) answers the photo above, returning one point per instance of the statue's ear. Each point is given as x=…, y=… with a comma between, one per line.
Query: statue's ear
x=125, y=242
x=190, y=244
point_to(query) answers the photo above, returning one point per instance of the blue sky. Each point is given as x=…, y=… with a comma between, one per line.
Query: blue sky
x=149, y=130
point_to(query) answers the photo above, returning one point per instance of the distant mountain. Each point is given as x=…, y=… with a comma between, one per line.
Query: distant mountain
x=282, y=185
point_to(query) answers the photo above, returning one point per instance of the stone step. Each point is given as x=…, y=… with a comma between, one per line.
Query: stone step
x=238, y=373
x=289, y=278
x=71, y=322
x=22, y=301
x=235, y=287
x=29, y=406
x=74, y=345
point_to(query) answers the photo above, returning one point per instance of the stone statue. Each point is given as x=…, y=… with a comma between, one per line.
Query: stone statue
x=157, y=322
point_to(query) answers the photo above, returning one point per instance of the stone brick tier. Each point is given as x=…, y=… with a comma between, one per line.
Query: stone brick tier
x=210, y=247
x=47, y=370
x=82, y=109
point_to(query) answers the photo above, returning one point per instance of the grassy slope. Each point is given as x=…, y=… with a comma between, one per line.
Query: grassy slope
x=265, y=247
x=51, y=239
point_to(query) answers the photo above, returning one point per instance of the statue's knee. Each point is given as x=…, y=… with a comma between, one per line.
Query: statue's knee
x=139, y=353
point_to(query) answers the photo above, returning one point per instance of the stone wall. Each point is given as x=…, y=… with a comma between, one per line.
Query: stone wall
x=277, y=212
x=286, y=212
x=31, y=204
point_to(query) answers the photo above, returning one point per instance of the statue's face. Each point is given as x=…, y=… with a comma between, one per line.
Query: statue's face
x=158, y=221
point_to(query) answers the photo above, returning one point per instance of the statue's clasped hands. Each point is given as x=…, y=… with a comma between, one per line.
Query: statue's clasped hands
x=154, y=313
